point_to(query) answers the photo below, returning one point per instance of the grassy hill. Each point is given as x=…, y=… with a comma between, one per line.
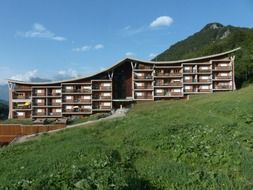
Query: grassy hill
x=4, y=109
x=203, y=143
x=216, y=38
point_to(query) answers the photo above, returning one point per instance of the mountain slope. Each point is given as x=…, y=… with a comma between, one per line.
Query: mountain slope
x=216, y=38
x=4, y=109
x=202, y=143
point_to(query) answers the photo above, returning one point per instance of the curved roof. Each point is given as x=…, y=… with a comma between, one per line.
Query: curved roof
x=123, y=61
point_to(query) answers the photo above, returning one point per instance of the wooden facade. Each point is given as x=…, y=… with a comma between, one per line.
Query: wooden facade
x=129, y=80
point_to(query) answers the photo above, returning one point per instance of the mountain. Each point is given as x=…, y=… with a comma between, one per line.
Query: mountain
x=4, y=110
x=216, y=38
x=4, y=92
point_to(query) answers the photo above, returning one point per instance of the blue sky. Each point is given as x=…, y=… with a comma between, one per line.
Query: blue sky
x=58, y=38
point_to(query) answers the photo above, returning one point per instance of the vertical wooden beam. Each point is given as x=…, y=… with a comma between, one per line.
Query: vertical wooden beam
x=233, y=72
x=10, y=86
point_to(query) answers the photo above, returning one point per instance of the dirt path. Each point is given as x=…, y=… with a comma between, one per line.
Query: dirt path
x=117, y=114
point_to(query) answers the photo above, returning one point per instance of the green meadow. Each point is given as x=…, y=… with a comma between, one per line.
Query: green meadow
x=202, y=143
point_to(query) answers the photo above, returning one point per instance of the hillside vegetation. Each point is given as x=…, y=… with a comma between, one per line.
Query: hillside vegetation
x=4, y=110
x=203, y=143
x=216, y=38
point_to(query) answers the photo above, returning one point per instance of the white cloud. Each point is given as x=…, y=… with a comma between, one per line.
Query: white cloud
x=26, y=76
x=152, y=55
x=82, y=49
x=39, y=31
x=99, y=46
x=129, y=54
x=161, y=21
x=87, y=48
x=130, y=31
x=66, y=74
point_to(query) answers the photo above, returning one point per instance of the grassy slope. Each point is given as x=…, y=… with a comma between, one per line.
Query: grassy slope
x=203, y=143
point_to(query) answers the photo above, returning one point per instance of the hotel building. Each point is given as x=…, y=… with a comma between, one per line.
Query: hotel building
x=129, y=80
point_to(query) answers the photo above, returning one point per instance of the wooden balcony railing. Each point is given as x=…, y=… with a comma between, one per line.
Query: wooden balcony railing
x=100, y=107
x=143, y=77
x=223, y=68
x=168, y=74
x=204, y=80
x=76, y=91
x=143, y=87
x=102, y=88
x=204, y=90
x=22, y=107
x=223, y=86
x=204, y=70
x=223, y=77
x=144, y=97
x=21, y=97
x=176, y=93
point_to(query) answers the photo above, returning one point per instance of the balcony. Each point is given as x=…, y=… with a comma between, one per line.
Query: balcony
x=148, y=77
x=99, y=97
x=77, y=101
x=54, y=104
x=223, y=68
x=55, y=114
x=223, y=78
x=168, y=74
x=179, y=94
x=205, y=80
x=148, y=97
x=145, y=87
x=168, y=84
x=77, y=111
x=76, y=91
x=101, y=107
x=39, y=94
x=101, y=88
x=223, y=87
x=22, y=107
x=21, y=97
x=54, y=94
x=204, y=70
x=204, y=90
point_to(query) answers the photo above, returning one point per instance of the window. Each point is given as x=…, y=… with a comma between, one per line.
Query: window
x=58, y=110
x=107, y=94
x=58, y=100
x=139, y=84
x=187, y=68
x=68, y=97
x=204, y=77
x=39, y=91
x=139, y=74
x=58, y=91
x=204, y=68
x=187, y=77
x=87, y=87
x=159, y=90
x=68, y=107
x=69, y=87
x=107, y=103
x=20, y=113
x=39, y=101
x=139, y=93
x=87, y=97
x=87, y=107
x=106, y=84
x=224, y=74
x=177, y=90
x=204, y=87
x=187, y=87
x=223, y=64
x=39, y=110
